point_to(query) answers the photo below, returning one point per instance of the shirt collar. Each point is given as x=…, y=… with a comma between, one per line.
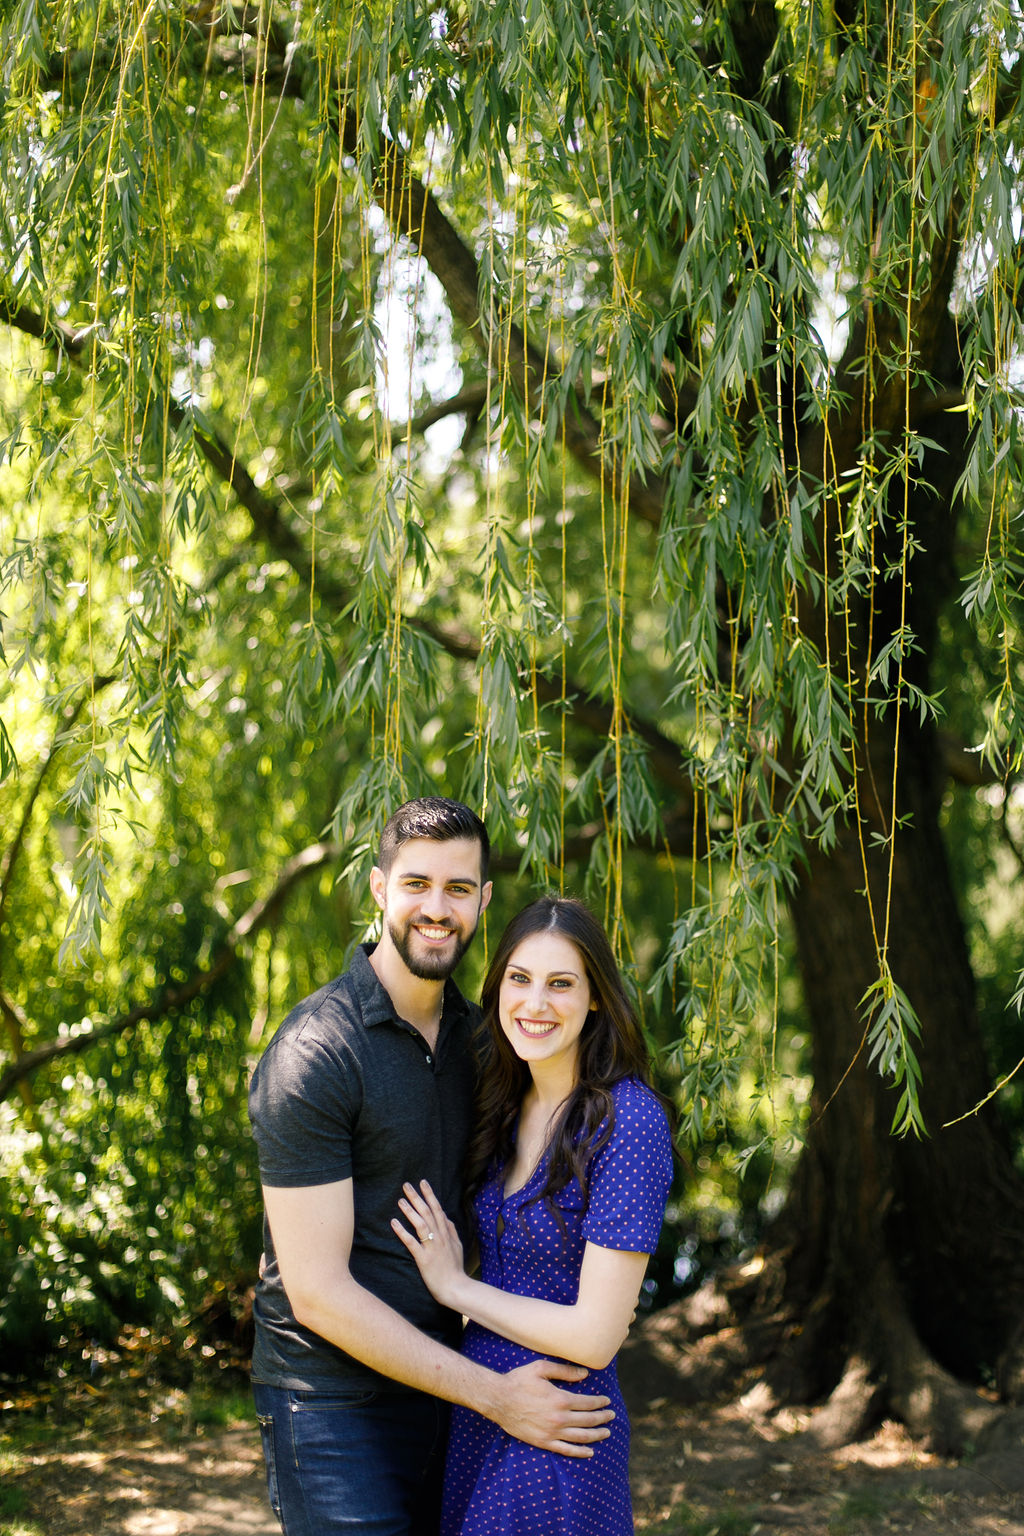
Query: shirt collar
x=375, y=1003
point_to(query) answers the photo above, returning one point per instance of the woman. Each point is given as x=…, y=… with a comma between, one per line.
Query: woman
x=569, y=1173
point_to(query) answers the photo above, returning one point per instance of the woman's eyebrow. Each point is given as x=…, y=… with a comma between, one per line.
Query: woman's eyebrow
x=551, y=975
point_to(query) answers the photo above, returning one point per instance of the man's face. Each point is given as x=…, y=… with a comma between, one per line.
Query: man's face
x=432, y=898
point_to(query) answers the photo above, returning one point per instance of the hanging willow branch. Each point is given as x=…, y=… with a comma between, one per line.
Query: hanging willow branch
x=631, y=226
x=270, y=525
x=412, y=212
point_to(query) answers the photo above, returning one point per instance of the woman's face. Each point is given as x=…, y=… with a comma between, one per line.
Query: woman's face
x=544, y=999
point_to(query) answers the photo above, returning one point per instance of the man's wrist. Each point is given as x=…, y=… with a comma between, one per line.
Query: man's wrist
x=487, y=1396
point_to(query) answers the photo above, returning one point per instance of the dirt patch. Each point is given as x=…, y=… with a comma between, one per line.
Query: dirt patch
x=141, y=1485
x=731, y=1471
x=722, y=1471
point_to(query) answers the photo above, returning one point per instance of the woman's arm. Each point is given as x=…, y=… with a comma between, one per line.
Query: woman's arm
x=589, y=1332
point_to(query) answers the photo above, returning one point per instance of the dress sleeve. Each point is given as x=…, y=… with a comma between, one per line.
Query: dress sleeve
x=631, y=1175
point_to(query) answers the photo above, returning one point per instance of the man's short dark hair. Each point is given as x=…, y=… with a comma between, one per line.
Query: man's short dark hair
x=437, y=819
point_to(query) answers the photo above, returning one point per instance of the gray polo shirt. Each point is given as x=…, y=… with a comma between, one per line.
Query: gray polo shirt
x=346, y=1089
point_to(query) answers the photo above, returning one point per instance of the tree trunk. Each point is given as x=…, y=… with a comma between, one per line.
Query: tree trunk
x=940, y=1219
x=893, y=1279
x=902, y=1258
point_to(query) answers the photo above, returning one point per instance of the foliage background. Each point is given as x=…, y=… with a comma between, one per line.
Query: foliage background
x=408, y=397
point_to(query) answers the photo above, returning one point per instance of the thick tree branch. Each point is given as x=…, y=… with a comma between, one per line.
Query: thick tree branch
x=266, y=514
x=201, y=980
x=412, y=211
x=469, y=401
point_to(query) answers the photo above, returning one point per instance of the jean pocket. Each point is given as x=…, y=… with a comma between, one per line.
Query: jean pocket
x=333, y=1402
x=266, y=1423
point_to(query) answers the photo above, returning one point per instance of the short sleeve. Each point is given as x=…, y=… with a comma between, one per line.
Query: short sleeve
x=631, y=1175
x=303, y=1101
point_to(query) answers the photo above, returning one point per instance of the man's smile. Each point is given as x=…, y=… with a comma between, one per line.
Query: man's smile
x=434, y=935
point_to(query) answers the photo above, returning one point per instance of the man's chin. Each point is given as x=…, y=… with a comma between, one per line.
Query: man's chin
x=430, y=964
x=436, y=969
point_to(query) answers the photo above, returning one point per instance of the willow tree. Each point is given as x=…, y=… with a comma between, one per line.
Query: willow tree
x=717, y=568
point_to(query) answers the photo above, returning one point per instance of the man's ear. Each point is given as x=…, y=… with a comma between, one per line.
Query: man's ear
x=485, y=894
x=378, y=885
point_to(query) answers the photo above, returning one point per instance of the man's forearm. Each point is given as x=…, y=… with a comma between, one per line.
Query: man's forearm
x=527, y=1403
x=370, y=1331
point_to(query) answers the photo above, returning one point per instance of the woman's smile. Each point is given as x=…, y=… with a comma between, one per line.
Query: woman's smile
x=544, y=1002
x=536, y=1027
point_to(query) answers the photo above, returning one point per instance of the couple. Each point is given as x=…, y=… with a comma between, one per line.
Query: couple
x=363, y=1112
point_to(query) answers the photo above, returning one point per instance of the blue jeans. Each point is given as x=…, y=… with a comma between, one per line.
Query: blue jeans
x=353, y=1463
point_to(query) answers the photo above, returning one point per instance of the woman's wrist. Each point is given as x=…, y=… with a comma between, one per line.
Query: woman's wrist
x=457, y=1291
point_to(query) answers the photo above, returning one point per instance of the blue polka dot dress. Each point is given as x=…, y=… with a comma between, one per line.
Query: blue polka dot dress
x=495, y=1485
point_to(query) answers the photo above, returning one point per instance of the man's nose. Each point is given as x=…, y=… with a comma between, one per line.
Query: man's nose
x=437, y=905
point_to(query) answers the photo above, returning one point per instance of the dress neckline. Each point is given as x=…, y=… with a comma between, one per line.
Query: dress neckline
x=510, y=1194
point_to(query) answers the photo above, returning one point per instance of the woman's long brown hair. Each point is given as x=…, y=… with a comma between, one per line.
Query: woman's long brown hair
x=611, y=1047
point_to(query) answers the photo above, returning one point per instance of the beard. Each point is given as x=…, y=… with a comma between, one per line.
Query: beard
x=431, y=965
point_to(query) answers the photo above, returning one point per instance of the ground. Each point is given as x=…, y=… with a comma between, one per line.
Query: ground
x=728, y=1470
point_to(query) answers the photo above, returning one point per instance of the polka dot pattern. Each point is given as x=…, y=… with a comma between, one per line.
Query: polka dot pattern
x=495, y=1485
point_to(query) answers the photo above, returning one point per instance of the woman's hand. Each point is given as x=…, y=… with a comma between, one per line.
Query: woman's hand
x=433, y=1243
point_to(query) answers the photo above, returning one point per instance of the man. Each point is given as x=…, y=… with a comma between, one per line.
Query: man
x=366, y=1084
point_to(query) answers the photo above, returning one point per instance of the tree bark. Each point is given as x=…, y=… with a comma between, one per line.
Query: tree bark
x=893, y=1279
x=943, y=1215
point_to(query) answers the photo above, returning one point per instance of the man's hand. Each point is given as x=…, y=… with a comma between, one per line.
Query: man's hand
x=529, y=1406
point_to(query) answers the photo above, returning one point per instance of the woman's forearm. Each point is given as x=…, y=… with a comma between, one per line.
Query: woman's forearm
x=588, y=1331
x=545, y=1326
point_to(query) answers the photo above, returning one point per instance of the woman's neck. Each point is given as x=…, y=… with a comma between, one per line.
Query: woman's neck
x=548, y=1090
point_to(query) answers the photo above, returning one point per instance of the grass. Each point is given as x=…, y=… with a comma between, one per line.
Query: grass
x=12, y=1501
x=207, y=1408
x=733, y=1520
x=867, y=1509
x=66, y=1412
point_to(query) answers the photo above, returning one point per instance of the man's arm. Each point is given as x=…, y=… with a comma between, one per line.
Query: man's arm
x=312, y=1230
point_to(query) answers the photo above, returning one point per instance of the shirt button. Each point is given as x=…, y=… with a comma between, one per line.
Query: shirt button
x=430, y=1060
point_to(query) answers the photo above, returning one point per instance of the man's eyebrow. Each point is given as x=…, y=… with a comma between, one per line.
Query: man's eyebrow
x=411, y=874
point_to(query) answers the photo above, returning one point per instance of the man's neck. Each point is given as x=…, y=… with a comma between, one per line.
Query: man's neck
x=415, y=1000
